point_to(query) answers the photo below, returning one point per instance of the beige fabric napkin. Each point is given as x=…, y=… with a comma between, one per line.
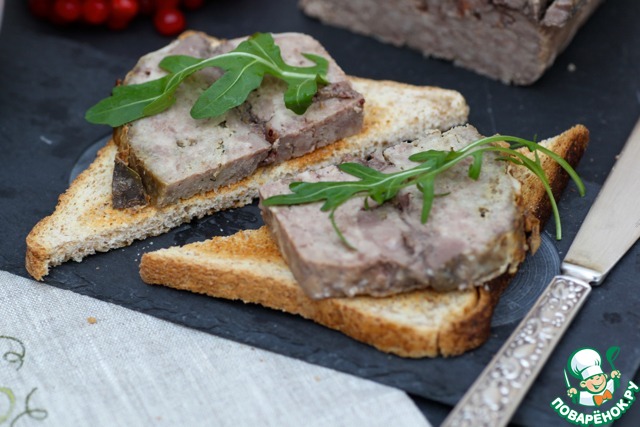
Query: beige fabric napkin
x=71, y=360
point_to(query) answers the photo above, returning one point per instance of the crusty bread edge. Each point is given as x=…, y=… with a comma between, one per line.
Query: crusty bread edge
x=456, y=335
x=39, y=258
x=474, y=329
x=182, y=271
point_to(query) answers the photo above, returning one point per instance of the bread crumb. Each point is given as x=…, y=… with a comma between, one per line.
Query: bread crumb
x=92, y=320
x=571, y=67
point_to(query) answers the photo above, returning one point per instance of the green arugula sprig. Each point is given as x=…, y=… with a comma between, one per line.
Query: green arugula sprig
x=244, y=68
x=382, y=187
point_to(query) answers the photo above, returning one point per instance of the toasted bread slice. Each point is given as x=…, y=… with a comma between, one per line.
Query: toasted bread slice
x=247, y=266
x=84, y=221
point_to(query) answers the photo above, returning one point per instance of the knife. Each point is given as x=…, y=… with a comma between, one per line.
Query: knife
x=611, y=227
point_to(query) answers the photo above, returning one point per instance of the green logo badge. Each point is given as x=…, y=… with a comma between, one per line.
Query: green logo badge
x=594, y=385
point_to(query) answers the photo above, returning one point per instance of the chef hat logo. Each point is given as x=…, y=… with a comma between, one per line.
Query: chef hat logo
x=585, y=363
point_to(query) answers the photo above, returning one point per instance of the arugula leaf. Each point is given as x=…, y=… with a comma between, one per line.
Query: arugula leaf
x=244, y=69
x=177, y=63
x=126, y=103
x=231, y=90
x=301, y=89
x=426, y=185
x=382, y=187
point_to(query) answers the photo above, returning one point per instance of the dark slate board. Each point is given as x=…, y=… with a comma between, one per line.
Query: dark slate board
x=50, y=76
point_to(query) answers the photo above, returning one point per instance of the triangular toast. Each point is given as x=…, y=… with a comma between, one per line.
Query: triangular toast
x=247, y=266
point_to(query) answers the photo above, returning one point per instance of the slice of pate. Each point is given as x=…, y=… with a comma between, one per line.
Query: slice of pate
x=177, y=156
x=474, y=233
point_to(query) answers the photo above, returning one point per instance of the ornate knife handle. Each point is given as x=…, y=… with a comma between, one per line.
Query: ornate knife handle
x=498, y=391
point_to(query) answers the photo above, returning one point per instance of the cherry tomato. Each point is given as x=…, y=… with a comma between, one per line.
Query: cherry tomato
x=167, y=4
x=123, y=10
x=40, y=8
x=169, y=22
x=95, y=11
x=147, y=7
x=117, y=24
x=192, y=4
x=67, y=10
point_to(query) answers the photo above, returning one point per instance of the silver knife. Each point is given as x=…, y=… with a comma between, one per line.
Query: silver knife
x=611, y=227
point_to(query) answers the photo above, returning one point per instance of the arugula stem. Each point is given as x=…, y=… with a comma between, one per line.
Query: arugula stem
x=212, y=62
x=536, y=168
x=338, y=231
x=244, y=69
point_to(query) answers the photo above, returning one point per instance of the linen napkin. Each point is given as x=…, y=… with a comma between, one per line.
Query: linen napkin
x=68, y=359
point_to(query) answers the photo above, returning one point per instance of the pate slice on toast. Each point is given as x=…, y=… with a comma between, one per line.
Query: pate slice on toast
x=176, y=156
x=473, y=234
x=248, y=266
x=84, y=221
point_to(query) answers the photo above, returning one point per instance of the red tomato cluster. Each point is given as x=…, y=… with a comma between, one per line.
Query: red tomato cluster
x=167, y=15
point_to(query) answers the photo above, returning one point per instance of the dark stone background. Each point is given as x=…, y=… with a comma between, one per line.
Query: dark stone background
x=50, y=75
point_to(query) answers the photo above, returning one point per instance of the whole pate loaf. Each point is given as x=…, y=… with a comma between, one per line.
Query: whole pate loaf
x=514, y=41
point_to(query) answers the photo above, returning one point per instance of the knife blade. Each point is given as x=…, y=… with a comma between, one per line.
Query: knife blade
x=611, y=227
